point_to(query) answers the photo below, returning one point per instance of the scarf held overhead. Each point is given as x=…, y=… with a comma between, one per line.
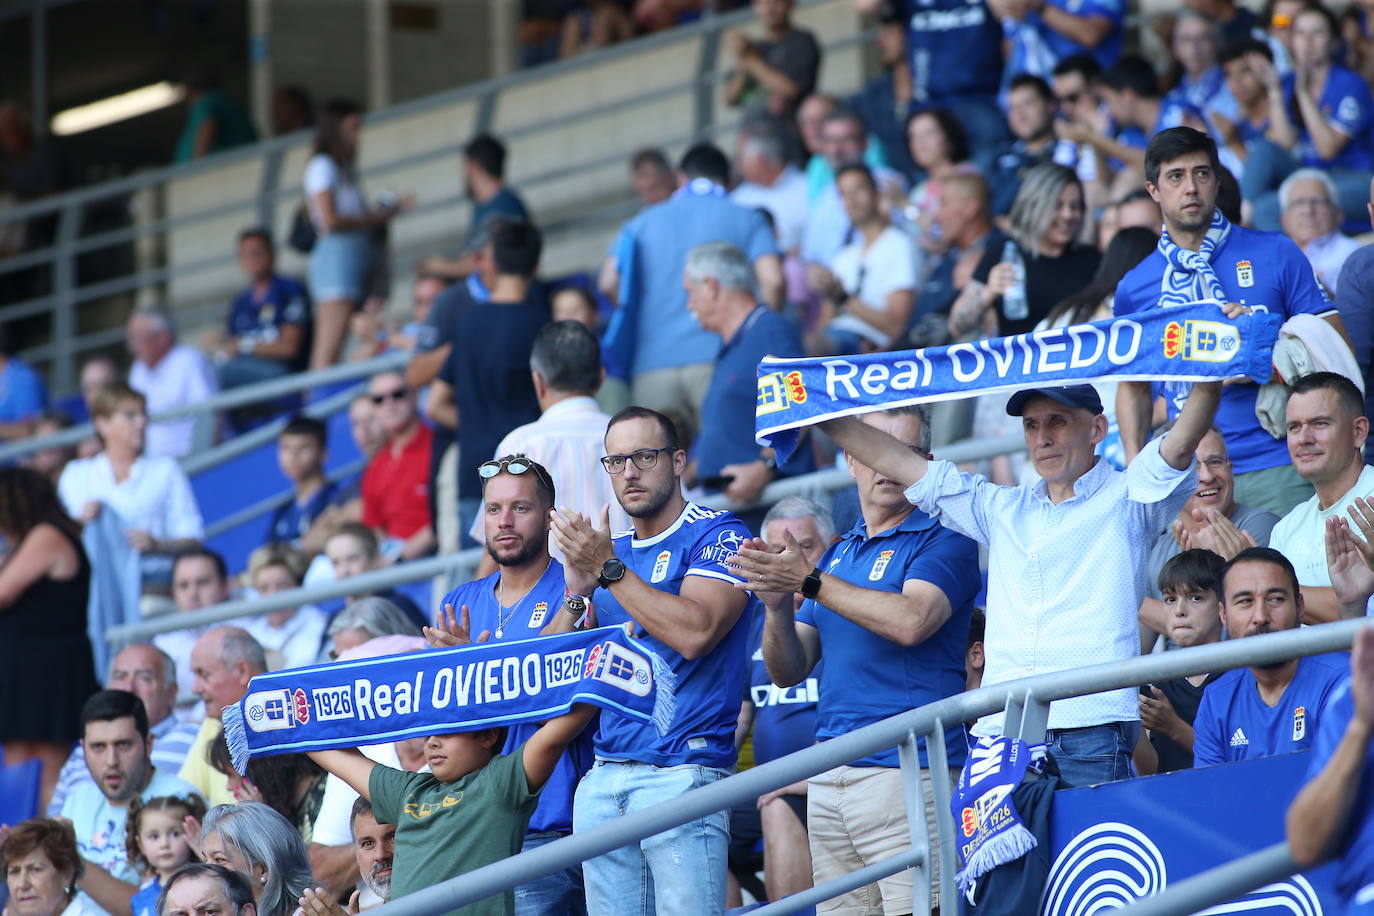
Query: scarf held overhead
x=486, y=685
x=1190, y=343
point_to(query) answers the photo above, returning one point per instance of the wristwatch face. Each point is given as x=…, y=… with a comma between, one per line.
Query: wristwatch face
x=611, y=571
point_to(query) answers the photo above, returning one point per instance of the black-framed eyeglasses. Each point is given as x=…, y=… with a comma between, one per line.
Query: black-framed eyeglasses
x=515, y=464
x=398, y=395
x=644, y=459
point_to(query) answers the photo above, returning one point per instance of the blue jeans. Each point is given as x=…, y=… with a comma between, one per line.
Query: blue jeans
x=558, y=894
x=1095, y=754
x=1267, y=165
x=680, y=871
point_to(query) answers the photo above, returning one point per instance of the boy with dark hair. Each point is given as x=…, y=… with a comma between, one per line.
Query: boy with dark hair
x=469, y=810
x=1189, y=582
x=301, y=453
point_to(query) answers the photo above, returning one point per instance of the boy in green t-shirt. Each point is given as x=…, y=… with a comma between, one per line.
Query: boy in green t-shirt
x=470, y=810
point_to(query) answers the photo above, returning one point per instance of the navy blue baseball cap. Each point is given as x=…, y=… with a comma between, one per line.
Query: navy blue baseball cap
x=1084, y=396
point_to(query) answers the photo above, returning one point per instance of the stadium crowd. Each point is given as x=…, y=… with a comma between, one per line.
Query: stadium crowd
x=1013, y=169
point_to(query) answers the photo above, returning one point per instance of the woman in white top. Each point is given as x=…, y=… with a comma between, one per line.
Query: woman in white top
x=151, y=495
x=342, y=257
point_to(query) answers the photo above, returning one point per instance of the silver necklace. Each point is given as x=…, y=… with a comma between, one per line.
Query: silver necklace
x=501, y=601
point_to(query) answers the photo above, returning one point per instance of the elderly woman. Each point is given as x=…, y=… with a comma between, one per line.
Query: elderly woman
x=41, y=867
x=258, y=843
x=367, y=619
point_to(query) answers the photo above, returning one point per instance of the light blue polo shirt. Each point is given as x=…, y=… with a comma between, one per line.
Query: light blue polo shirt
x=666, y=333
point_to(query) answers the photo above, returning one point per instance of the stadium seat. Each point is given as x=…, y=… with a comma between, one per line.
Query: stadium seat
x=19, y=787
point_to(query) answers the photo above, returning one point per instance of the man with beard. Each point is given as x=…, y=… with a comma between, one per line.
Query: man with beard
x=1203, y=256
x=116, y=744
x=518, y=601
x=1266, y=709
x=375, y=846
x=669, y=578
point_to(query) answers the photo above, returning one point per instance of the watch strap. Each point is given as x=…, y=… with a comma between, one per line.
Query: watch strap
x=811, y=585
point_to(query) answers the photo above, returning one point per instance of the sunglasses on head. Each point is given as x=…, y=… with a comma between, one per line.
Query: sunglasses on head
x=398, y=395
x=516, y=464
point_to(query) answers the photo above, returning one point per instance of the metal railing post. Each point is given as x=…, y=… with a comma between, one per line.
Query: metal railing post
x=1026, y=718
x=64, y=293
x=937, y=762
x=914, y=794
x=704, y=102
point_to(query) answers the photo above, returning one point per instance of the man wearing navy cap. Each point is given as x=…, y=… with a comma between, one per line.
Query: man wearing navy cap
x=1066, y=557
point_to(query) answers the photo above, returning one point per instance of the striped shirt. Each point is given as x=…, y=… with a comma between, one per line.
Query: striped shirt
x=568, y=440
x=171, y=740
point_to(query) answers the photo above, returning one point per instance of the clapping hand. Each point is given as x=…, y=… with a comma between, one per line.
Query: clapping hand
x=774, y=574
x=585, y=547
x=1218, y=534
x=447, y=632
x=1348, y=560
x=318, y=902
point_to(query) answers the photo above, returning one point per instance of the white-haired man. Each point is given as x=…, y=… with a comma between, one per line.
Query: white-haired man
x=1312, y=218
x=168, y=374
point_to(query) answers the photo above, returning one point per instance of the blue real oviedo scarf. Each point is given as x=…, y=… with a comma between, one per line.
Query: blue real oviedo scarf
x=986, y=823
x=438, y=692
x=1195, y=342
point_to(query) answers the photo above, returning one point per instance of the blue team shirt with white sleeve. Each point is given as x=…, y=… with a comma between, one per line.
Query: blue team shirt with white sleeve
x=261, y=318
x=1355, y=868
x=1266, y=271
x=1347, y=105
x=874, y=678
x=784, y=717
x=1233, y=723
x=709, y=688
x=1035, y=47
x=524, y=620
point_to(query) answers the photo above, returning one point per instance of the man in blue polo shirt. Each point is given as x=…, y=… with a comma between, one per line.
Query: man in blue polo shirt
x=889, y=607
x=1201, y=255
x=269, y=322
x=669, y=578
x=720, y=295
x=671, y=354
x=518, y=601
x=1333, y=815
x=1266, y=709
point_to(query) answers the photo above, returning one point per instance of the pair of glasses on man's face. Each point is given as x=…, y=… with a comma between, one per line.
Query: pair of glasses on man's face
x=643, y=459
x=516, y=465
x=398, y=395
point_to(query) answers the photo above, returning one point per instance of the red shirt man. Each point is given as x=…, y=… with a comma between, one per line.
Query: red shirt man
x=395, y=487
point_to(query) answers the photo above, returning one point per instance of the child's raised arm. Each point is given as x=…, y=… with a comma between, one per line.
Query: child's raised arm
x=546, y=745
x=350, y=766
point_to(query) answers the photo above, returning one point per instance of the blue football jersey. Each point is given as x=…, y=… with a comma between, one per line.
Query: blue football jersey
x=709, y=689
x=1233, y=723
x=784, y=717
x=1355, y=868
x=523, y=620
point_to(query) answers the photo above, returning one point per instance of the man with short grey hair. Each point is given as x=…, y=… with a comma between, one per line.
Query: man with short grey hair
x=770, y=182
x=168, y=374
x=151, y=675
x=568, y=437
x=223, y=661
x=1311, y=216
x=720, y=295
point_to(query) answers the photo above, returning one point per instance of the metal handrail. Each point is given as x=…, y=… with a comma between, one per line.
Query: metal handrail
x=417, y=570
x=1220, y=884
x=747, y=786
x=224, y=400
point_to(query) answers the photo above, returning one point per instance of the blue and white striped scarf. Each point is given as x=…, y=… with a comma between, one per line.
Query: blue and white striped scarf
x=1188, y=275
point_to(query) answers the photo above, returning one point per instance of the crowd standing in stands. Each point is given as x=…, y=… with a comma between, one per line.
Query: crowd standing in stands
x=1014, y=167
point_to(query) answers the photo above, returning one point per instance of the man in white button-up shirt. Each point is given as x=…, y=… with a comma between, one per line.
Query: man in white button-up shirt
x=1066, y=557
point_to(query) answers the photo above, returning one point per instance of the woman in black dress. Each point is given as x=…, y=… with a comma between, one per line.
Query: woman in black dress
x=46, y=668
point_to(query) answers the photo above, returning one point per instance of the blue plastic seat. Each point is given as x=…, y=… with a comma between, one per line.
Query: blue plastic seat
x=19, y=788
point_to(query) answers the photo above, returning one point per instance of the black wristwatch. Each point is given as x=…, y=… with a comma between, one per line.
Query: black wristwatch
x=612, y=571
x=811, y=585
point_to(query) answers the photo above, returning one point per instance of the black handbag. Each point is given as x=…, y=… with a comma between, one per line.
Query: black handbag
x=302, y=236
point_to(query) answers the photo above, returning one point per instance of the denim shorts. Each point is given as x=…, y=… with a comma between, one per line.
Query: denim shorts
x=339, y=266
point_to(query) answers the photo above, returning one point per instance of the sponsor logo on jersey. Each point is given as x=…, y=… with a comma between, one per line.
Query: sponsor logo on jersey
x=1238, y=739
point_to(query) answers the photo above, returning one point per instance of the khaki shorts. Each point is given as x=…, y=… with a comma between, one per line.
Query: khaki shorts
x=855, y=818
